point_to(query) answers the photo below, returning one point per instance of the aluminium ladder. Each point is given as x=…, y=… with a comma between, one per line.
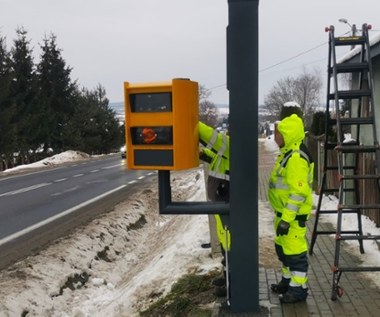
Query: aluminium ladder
x=344, y=159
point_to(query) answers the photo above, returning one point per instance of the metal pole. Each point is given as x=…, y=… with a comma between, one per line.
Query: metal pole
x=353, y=29
x=242, y=83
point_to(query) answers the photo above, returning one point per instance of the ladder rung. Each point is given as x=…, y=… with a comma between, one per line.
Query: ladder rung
x=349, y=167
x=359, y=237
x=349, y=231
x=350, y=67
x=350, y=94
x=330, y=146
x=359, y=269
x=334, y=232
x=334, y=211
x=349, y=40
x=358, y=177
x=358, y=207
x=352, y=121
x=335, y=167
x=356, y=148
x=327, y=211
x=336, y=190
x=330, y=190
x=325, y=232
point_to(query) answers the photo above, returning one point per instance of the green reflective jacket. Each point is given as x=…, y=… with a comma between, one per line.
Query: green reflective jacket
x=216, y=153
x=217, y=147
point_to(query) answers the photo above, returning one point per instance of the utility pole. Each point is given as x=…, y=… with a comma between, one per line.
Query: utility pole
x=242, y=84
x=352, y=27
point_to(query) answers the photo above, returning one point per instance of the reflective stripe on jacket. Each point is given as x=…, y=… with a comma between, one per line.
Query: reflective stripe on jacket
x=218, y=147
x=216, y=152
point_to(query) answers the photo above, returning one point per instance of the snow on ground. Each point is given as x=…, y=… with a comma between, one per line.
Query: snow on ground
x=107, y=267
x=50, y=161
x=371, y=257
x=120, y=261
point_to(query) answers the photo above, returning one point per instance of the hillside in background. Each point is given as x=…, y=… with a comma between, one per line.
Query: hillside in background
x=118, y=107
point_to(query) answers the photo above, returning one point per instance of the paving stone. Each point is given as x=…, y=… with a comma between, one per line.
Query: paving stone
x=361, y=296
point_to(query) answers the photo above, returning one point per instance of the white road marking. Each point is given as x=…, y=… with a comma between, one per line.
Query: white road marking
x=64, y=213
x=53, y=218
x=111, y=166
x=65, y=191
x=26, y=189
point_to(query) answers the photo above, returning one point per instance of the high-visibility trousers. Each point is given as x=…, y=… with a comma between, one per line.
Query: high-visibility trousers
x=225, y=242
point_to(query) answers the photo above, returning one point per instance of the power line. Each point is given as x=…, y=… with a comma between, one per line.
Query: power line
x=289, y=59
x=293, y=57
x=279, y=63
x=219, y=86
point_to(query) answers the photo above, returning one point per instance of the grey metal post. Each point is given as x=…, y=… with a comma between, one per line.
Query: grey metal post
x=242, y=83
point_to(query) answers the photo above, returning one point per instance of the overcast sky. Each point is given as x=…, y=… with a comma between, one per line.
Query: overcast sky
x=112, y=41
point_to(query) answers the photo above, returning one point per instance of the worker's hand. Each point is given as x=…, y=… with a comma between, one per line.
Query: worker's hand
x=223, y=191
x=204, y=157
x=282, y=228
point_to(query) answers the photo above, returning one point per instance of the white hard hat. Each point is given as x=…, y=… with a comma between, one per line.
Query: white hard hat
x=291, y=104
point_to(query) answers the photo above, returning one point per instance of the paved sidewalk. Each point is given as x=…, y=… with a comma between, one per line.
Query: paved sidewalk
x=361, y=297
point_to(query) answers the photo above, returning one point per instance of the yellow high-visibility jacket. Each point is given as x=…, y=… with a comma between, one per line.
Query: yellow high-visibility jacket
x=219, y=145
x=290, y=186
x=216, y=152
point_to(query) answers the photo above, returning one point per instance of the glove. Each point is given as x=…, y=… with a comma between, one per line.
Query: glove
x=223, y=191
x=282, y=228
x=204, y=157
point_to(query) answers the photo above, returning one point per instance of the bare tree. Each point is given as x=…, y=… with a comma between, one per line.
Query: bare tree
x=208, y=112
x=304, y=89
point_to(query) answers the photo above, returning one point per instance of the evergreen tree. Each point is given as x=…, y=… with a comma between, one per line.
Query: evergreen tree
x=7, y=110
x=94, y=128
x=56, y=96
x=42, y=108
x=24, y=92
x=109, y=129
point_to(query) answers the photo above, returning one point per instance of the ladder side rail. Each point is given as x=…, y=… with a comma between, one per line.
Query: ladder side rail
x=351, y=174
x=371, y=87
x=335, y=85
x=365, y=58
x=326, y=141
x=372, y=107
x=340, y=154
x=360, y=87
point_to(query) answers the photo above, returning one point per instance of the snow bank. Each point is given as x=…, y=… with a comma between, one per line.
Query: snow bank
x=57, y=159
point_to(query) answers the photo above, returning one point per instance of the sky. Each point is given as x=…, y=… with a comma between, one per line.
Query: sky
x=109, y=42
x=147, y=261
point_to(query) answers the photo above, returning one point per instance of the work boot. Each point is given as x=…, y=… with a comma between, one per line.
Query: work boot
x=220, y=291
x=294, y=295
x=219, y=281
x=282, y=287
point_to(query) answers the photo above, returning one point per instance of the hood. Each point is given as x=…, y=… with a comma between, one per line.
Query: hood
x=292, y=130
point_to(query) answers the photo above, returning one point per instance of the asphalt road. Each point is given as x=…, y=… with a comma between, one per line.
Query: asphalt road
x=38, y=207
